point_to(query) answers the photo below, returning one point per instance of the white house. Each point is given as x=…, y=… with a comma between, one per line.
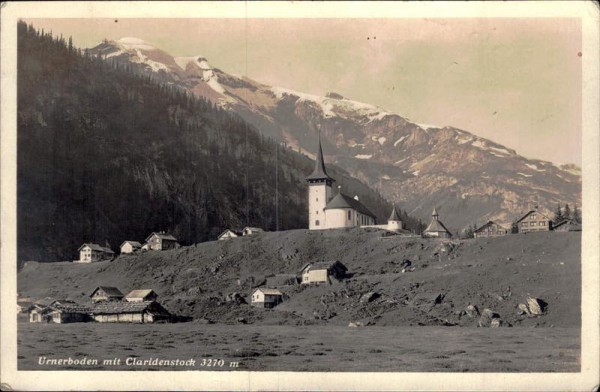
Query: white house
x=228, y=234
x=322, y=272
x=130, y=246
x=266, y=298
x=144, y=295
x=251, y=230
x=328, y=212
x=161, y=241
x=89, y=253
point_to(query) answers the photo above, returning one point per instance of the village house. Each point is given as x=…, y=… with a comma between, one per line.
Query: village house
x=328, y=212
x=130, y=247
x=436, y=228
x=60, y=312
x=161, y=241
x=106, y=293
x=566, y=225
x=129, y=312
x=24, y=306
x=490, y=229
x=534, y=221
x=251, y=230
x=322, y=272
x=229, y=234
x=266, y=298
x=145, y=295
x=89, y=253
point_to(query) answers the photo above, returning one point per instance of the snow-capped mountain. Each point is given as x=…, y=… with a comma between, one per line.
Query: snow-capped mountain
x=470, y=179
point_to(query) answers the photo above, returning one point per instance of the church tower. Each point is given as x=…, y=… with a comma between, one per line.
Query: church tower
x=319, y=192
x=394, y=222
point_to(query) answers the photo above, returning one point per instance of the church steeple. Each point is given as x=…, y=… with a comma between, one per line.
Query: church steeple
x=319, y=174
x=435, y=214
x=394, y=216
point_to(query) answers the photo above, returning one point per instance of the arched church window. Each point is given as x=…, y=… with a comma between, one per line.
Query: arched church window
x=317, y=223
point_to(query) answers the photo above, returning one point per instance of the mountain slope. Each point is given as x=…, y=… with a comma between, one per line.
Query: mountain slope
x=105, y=155
x=416, y=165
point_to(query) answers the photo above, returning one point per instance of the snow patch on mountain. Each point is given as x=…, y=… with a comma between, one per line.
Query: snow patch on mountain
x=534, y=167
x=135, y=43
x=399, y=140
x=525, y=175
x=400, y=161
x=142, y=59
x=363, y=156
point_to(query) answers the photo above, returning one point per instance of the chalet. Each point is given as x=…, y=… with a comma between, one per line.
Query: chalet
x=436, y=228
x=89, y=253
x=161, y=241
x=60, y=312
x=36, y=312
x=266, y=298
x=130, y=246
x=534, y=221
x=229, y=234
x=566, y=225
x=251, y=231
x=146, y=295
x=322, y=272
x=490, y=229
x=106, y=293
x=129, y=312
x=281, y=280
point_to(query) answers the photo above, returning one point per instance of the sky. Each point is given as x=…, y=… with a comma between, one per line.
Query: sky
x=516, y=81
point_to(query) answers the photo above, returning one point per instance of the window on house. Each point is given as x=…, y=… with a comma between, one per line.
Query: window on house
x=349, y=215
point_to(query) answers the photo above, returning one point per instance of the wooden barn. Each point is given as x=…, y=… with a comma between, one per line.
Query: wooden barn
x=229, y=234
x=534, y=221
x=322, y=272
x=106, y=293
x=89, y=253
x=566, y=225
x=161, y=241
x=144, y=295
x=251, y=230
x=60, y=312
x=490, y=229
x=129, y=312
x=130, y=247
x=266, y=298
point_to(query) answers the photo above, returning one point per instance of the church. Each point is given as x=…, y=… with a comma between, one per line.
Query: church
x=329, y=211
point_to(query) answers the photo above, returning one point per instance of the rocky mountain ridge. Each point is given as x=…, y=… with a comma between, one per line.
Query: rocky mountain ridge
x=418, y=166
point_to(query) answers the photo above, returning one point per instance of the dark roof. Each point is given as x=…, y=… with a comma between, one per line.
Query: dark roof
x=434, y=213
x=68, y=306
x=394, y=215
x=436, y=226
x=162, y=236
x=96, y=247
x=569, y=222
x=326, y=265
x=343, y=201
x=531, y=212
x=489, y=223
x=110, y=291
x=319, y=173
x=127, y=307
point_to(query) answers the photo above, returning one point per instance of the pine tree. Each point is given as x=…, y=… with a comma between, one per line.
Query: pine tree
x=576, y=214
x=558, y=216
x=567, y=214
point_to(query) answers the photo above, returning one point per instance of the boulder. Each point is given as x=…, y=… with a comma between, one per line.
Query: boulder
x=472, y=311
x=536, y=306
x=487, y=319
x=368, y=297
x=405, y=263
x=522, y=309
x=438, y=299
x=355, y=324
x=242, y=320
x=495, y=323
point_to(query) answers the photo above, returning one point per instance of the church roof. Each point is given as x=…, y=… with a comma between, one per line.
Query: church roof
x=436, y=226
x=343, y=201
x=319, y=173
x=394, y=215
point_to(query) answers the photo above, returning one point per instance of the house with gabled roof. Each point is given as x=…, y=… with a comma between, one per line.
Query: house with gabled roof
x=89, y=253
x=534, y=221
x=229, y=234
x=266, y=298
x=490, y=229
x=129, y=312
x=322, y=272
x=144, y=295
x=161, y=241
x=106, y=293
x=60, y=312
x=251, y=230
x=436, y=228
x=130, y=247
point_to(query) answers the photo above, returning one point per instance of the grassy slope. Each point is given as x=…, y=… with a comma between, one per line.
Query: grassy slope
x=194, y=280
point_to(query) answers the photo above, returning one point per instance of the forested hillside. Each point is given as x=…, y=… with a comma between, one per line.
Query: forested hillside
x=105, y=155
